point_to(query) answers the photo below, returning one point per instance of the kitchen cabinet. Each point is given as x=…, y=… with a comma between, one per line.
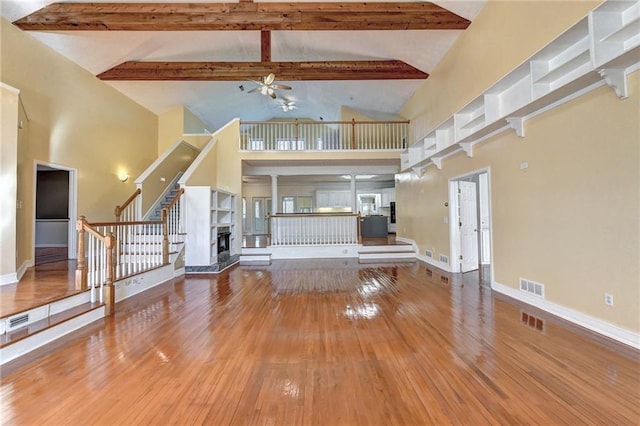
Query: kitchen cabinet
x=333, y=198
x=388, y=196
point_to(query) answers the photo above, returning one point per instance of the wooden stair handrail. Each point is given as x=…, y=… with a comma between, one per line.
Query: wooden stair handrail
x=119, y=209
x=175, y=199
x=124, y=223
x=83, y=226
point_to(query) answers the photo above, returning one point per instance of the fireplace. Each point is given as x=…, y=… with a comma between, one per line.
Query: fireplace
x=224, y=250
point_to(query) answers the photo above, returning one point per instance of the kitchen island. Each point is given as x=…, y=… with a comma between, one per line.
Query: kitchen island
x=374, y=226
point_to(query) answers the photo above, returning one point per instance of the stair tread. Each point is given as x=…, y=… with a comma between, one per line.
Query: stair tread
x=46, y=323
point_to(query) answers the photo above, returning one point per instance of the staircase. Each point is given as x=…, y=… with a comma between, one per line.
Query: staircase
x=156, y=212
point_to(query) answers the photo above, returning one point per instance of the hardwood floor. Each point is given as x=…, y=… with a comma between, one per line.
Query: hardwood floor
x=50, y=254
x=325, y=342
x=39, y=285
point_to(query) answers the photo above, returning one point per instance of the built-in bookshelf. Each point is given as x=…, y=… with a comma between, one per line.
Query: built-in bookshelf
x=206, y=211
x=603, y=47
x=223, y=215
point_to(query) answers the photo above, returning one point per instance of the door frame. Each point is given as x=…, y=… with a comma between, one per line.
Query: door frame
x=454, y=231
x=72, y=235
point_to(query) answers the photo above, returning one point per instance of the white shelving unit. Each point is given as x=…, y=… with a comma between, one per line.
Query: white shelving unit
x=604, y=45
x=222, y=214
x=207, y=209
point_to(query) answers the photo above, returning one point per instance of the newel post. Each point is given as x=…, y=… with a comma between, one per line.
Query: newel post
x=118, y=213
x=359, y=219
x=81, y=268
x=296, y=131
x=353, y=133
x=109, y=288
x=165, y=237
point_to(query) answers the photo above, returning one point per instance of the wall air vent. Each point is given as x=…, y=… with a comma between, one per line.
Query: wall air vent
x=532, y=287
x=444, y=258
x=16, y=321
x=429, y=253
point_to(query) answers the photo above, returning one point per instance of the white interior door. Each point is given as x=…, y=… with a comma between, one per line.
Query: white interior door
x=468, y=223
x=261, y=207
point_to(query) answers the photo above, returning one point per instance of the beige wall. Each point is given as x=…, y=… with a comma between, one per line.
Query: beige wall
x=175, y=123
x=9, y=104
x=170, y=128
x=571, y=220
x=193, y=124
x=503, y=36
x=177, y=161
x=78, y=122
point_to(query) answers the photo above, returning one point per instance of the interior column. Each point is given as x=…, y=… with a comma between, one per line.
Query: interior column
x=274, y=194
x=354, y=195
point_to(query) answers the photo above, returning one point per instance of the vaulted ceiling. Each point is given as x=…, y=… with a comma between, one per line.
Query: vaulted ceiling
x=367, y=56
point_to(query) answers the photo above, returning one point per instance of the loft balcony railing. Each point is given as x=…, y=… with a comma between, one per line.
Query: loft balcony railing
x=301, y=135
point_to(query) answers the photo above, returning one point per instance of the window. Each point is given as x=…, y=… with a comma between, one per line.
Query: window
x=244, y=213
x=256, y=145
x=288, y=204
x=299, y=204
x=305, y=204
x=290, y=145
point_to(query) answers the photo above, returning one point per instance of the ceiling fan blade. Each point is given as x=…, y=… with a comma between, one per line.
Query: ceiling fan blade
x=269, y=79
x=281, y=87
x=255, y=89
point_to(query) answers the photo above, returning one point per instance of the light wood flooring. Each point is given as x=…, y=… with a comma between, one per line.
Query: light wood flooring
x=40, y=285
x=325, y=342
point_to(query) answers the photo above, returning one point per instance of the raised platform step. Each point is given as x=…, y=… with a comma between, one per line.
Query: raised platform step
x=255, y=259
x=386, y=254
x=258, y=256
x=23, y=340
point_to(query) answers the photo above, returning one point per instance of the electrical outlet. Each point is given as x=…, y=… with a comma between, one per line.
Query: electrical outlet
x=608, y=299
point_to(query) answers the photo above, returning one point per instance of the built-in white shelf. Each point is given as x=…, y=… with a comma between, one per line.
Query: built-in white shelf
x=616, y=29
x=207, y=209
x=604, y=45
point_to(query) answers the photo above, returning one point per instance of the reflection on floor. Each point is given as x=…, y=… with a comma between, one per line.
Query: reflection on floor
x=50, y=254
x=326, y=342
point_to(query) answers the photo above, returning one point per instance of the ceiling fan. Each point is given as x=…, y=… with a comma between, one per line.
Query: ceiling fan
x=267, y=86
x=287, y=105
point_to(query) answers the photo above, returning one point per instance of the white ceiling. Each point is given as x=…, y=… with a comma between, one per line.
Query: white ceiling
x=218, y=102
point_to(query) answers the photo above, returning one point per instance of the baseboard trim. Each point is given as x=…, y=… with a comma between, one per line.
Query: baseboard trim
x=622, y=335
x=424, y=259
x=431, y=261
x=23, y=268
x=14, y=277
x=8, y=279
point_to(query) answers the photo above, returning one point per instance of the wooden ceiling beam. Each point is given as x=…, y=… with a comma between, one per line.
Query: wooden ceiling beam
x=265, y=46
x=284, y=71
x=241, y=16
